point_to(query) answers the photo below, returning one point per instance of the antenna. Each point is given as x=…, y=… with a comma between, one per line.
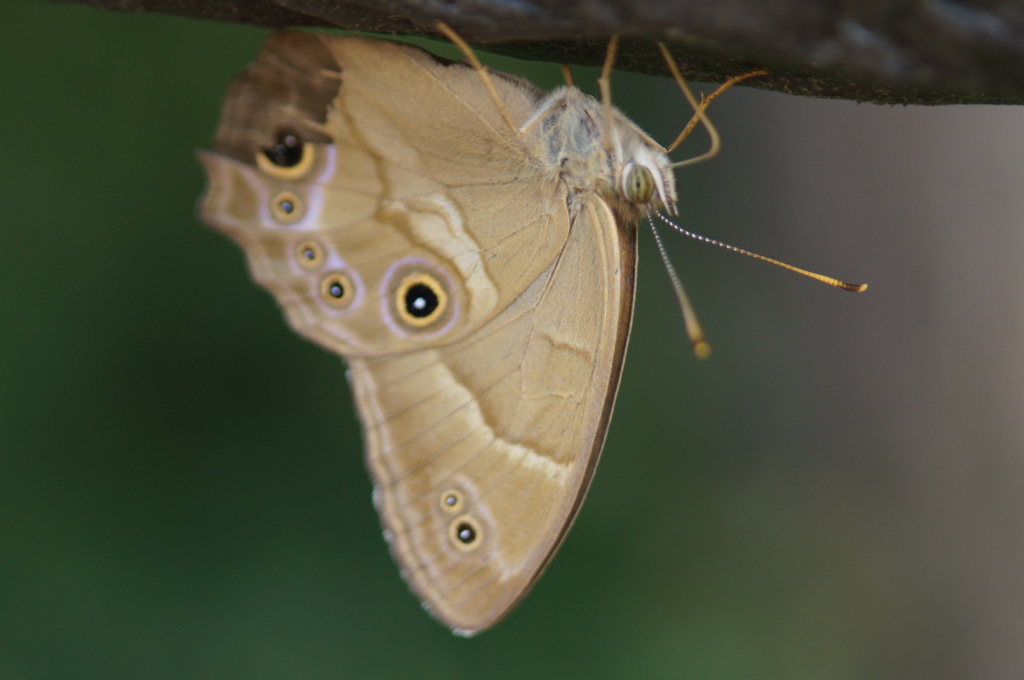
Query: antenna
x=828, y=280
x=701, y=348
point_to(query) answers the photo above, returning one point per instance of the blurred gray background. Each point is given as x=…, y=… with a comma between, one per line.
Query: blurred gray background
x=835, y=494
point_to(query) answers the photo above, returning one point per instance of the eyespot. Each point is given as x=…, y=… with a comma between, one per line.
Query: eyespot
x=451, y=501
x=336, y=290
x=420, y=299
x=638, y=184
x=465, y=534
x=287, y=207
x=288, y=158
x=309, y=254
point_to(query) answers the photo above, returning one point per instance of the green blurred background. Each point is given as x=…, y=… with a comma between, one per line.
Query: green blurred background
x=836, y=493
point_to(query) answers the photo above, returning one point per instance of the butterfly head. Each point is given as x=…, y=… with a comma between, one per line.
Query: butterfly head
x=641, y=175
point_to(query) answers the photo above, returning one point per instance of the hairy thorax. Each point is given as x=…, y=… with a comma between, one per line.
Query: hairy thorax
x=573, y=144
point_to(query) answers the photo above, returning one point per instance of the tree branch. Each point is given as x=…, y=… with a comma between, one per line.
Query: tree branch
x=885, y=51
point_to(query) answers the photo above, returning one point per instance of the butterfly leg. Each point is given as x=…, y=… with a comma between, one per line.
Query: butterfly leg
x=699, y=108
x=567, y=74
x=605, y=84
x=481, y=70
x=706, y=100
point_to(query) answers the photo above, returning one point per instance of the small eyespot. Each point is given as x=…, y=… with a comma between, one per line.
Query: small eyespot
x=310, y=254
x=287, y=207
x=336, y=290
x=465, y=533
x=451, y=501
x=639, y=184
x=288, y=158
x=420, y=299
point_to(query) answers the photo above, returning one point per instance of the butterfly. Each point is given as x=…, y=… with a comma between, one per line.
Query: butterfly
x=467, y=243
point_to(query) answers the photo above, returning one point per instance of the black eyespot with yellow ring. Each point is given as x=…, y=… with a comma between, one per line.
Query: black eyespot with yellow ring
x=465, y=533
x=309, y=254
x=336, y=290
x=289, y=157
x=420, y=300
x=638, y=184
x=287, y=207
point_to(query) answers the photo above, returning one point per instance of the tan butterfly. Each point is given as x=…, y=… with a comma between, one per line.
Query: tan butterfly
x=468, y=244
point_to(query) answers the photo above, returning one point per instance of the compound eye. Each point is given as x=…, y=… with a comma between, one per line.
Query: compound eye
x=639, y=184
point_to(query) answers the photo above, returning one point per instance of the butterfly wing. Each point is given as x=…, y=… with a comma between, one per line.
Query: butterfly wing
x=481, y=451
x=484, y=314
x=405, y=162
